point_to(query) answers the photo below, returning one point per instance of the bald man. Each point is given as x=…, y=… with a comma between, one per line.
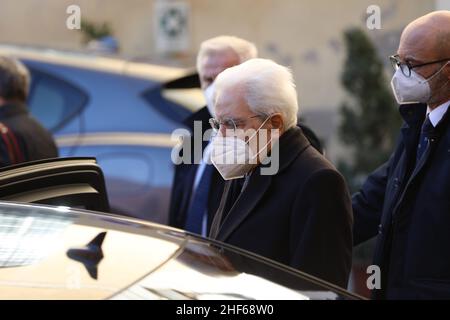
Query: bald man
x=406, y=202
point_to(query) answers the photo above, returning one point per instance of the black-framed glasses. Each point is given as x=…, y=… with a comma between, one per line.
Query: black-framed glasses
x=406, y=67
x=229, y=124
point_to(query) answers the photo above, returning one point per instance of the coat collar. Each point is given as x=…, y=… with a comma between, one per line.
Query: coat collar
x=413, y=114
x=202, y=115
x=291, y=144
x=12, y=109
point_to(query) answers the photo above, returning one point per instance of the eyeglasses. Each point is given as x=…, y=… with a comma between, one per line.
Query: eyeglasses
x=406, y=67
x=229, y=124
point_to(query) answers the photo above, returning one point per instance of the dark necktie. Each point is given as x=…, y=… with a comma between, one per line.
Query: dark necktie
x=423, y=140
x=199, y=202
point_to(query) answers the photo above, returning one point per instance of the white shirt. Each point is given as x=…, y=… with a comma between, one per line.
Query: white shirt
x=436, y=114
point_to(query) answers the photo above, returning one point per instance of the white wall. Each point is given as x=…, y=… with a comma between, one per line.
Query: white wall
x=442, y=4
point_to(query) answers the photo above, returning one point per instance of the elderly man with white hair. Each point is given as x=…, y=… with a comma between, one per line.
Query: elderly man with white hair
x=299, y=214
x=197, y=187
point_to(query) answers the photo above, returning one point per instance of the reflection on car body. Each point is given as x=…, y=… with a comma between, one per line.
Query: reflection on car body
x=140, y=260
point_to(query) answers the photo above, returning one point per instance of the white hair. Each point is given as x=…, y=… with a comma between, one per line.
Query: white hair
x=244, y=49
x=268, y=88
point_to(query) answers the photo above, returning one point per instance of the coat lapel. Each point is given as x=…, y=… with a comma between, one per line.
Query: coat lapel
x=247, y=200
x=414, y=115
x=409, y=168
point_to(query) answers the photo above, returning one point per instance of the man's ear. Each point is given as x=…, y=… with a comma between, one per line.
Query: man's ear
x=277, y=122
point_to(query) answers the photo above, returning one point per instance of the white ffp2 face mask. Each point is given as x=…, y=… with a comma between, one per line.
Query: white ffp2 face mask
x=233, y=157
x=412, y=89
x=209, y=95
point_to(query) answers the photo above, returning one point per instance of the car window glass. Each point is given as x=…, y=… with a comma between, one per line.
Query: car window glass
x=54, y=102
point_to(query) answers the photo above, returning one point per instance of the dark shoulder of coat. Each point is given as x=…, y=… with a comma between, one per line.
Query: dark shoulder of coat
x=33, y=140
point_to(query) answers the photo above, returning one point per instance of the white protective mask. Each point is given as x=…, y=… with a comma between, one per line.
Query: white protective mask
x=233, y=157
x=209, y=95
x=412, y=89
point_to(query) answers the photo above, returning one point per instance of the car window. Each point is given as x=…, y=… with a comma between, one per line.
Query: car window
x=176, y=99
x=54, y=102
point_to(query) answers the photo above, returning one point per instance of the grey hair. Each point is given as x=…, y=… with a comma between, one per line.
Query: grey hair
x=14, y=79
x=244, y=49
x=268, y=88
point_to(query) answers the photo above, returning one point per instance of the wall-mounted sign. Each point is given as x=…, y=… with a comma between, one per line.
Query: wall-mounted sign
x=171, y=25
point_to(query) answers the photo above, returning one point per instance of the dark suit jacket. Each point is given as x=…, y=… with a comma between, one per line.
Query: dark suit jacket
x=23, y=138
x=185, y=175
x=301, y=216
x=407, y=206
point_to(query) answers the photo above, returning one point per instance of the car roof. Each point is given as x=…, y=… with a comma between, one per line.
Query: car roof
x=51, y=252
x=95, y=62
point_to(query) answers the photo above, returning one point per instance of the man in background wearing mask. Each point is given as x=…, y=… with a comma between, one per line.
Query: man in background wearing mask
x=406, y=202
x=299, y=214
x=197, y=188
